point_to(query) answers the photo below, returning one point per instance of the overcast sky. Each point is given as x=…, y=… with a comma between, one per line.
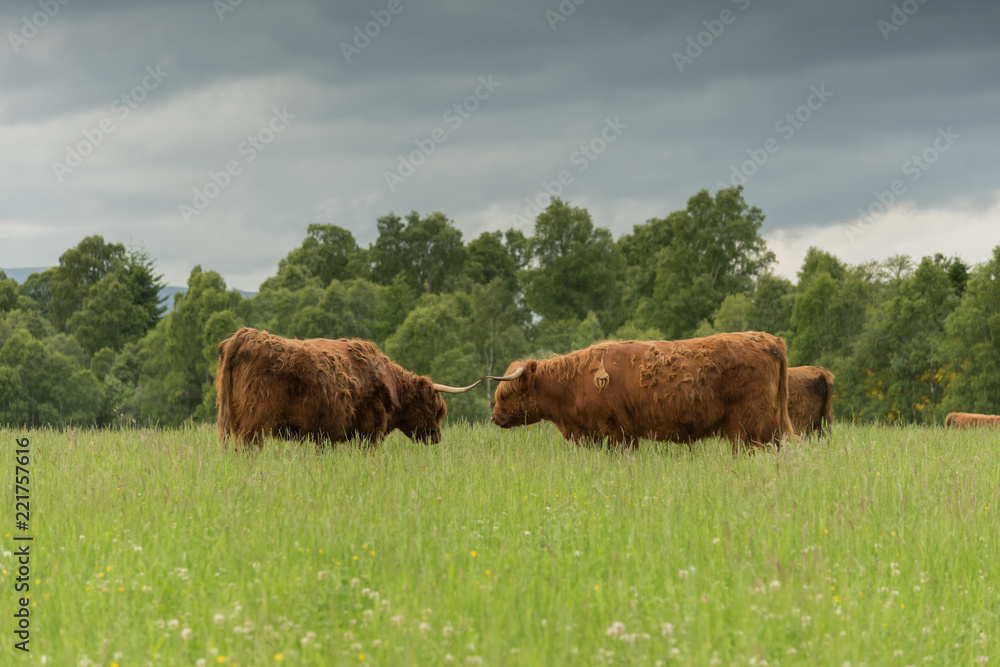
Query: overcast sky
x=115, y=115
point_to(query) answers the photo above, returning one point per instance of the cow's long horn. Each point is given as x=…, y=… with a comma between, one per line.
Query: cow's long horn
x=513, y=376
x=445, y=389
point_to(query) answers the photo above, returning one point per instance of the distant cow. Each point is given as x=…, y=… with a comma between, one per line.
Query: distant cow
x=810, y=399
x=970, y=420
x=322, y=389
x=733, y=385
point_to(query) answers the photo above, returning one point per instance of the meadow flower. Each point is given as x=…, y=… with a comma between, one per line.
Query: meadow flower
x=200, y=662
x=775, y=584
x=425, y=628
x=447, y=631
x=615, y=629
x=186, y=634
x=448, y=657
x=173, y=624
x=683, y=574
x=397, y=621
x=666, y=629
x=218, y=618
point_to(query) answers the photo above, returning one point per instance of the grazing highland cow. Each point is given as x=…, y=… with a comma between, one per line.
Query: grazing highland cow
x=970, y=420
x=810, y=399
x=322, y=389
x=733, y=385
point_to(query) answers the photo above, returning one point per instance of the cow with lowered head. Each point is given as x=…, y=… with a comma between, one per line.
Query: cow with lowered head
x=810, y=399
x=321, y=389
x=733, y=385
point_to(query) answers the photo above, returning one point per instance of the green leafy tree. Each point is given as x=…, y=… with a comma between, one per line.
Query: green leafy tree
x=771, y=307
x=715, y=250
x=896, y=371
x=829, y=313
x=641, y=250
x=577, y=267
x=109, y=316
x=54, y=389
x=496, y=329
x=9, y=293
x=427, y=252
x=732, y=315
x=138, y=273
x=36, y=291
x=31, y=320
x=957, y=270
x=588, y=332
x=489, y=259
x=971, y=345
x=432, y=341
x=80, y=268
x=188, y=377
x=394, y=303
x=328, y=253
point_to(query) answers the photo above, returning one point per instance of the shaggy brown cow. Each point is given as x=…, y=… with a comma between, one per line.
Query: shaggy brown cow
x=810, y=399
x=970, y=420
x=734, y=385
x=323, y=389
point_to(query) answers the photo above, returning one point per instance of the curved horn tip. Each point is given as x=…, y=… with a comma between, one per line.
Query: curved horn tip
x=503, y=378
x=445, y=389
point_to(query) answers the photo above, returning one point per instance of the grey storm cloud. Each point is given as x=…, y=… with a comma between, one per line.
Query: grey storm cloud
x=702, y=93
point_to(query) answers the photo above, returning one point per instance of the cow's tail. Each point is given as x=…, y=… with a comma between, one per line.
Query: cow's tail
x=784, y=422
x=826, y=425
x=224, y=387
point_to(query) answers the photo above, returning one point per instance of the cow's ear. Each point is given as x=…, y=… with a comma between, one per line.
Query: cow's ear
x=529, y=369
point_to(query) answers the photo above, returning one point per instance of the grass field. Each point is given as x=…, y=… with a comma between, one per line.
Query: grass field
x=876, y=547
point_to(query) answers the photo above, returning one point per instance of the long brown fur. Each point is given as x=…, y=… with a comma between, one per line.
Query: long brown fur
x=734, y=385
x=810, y=399
x=970, y=420
x=323, y=389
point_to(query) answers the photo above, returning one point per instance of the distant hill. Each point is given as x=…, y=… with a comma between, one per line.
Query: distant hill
x=167, y=293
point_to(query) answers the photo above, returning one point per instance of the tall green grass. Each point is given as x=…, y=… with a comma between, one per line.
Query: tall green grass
x=878, y=546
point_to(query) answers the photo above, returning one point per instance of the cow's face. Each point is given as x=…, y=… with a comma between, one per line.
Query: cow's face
x=515, y=403
x=422, y=421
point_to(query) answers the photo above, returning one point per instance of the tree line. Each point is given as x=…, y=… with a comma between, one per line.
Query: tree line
x=88, y=341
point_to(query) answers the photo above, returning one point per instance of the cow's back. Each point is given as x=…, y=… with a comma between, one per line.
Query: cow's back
x=729, y=384
x=970, y=420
